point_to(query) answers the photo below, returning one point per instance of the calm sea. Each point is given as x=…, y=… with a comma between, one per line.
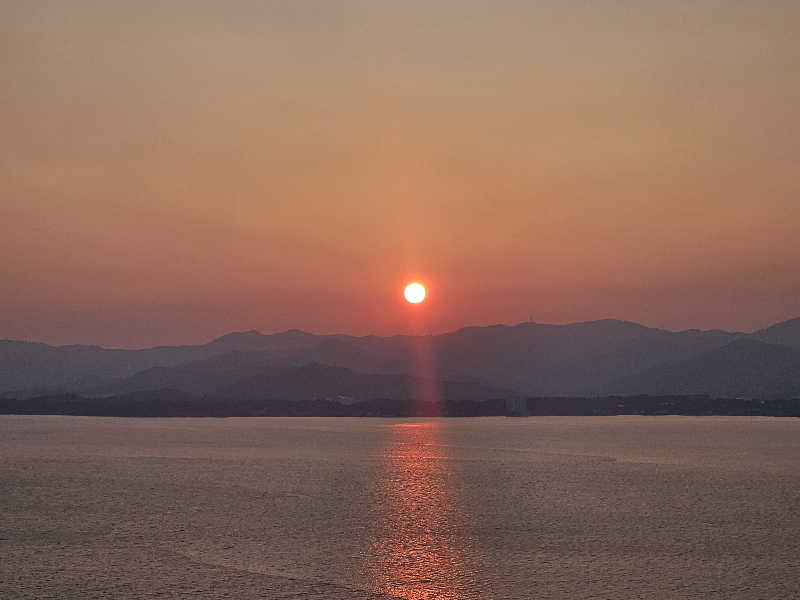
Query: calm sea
x=561, y=507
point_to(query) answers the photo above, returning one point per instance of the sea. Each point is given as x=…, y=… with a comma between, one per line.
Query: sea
x=415, y=509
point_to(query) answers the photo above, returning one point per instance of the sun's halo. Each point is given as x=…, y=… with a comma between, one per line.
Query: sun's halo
x=414, y=292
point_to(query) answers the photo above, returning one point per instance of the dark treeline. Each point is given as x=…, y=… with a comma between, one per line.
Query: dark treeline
x=663, y=405
x=171, y=403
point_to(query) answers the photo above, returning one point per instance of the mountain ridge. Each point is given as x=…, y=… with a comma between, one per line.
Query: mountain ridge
x=535, y=359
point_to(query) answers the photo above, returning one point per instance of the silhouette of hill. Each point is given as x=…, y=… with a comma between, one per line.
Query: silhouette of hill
x=37, y=366
x=786, y=333
x=247, y=376
x=574, y=359
x=286, y=341
x=201, y=377
x=744, y=368
x=316, y=380
x=578, y=359
x=31, y=364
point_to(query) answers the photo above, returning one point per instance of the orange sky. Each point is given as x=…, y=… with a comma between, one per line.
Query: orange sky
x=171, y=171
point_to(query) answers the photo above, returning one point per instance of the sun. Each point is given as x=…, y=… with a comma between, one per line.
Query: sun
x=415, y=292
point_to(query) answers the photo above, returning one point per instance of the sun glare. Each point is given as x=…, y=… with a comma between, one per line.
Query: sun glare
x=415, y=292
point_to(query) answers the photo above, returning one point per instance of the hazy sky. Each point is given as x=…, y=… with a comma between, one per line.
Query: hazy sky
x=171, y=171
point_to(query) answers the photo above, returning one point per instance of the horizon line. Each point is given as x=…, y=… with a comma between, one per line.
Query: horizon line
x=396, y=335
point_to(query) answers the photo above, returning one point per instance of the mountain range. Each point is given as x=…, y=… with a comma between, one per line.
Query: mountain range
x=606, y=357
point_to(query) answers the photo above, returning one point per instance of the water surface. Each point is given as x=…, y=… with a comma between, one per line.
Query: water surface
x=559, y=507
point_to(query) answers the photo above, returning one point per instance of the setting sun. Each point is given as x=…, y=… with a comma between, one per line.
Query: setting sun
x=415, y=292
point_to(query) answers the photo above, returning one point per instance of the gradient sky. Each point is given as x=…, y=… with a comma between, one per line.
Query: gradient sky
x=171, y=171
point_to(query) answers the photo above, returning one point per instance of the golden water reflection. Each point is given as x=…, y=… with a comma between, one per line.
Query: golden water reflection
x=420, y=551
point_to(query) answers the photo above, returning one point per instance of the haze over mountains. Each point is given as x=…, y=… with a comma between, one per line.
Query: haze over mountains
x=474, y=363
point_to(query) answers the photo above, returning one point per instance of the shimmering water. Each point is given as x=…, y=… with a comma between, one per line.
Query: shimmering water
x=618, y=507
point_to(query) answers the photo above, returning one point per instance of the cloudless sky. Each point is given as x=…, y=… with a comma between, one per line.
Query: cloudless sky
x=173, y=170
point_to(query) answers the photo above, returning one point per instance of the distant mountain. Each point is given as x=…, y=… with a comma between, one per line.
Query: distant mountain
x=530, y=358
x=318, y=381
x=578, y=359
x=247, y=376
x=34, y=365
x=31, y=365
x=745, y=368
x=786, y=333
x=287, y=341
x=200, y=377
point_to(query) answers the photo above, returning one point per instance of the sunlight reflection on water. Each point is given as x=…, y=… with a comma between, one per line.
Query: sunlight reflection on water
x=420, y=552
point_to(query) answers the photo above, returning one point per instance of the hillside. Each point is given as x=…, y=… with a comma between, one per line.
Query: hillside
x=578, y=359
x=744, y=368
